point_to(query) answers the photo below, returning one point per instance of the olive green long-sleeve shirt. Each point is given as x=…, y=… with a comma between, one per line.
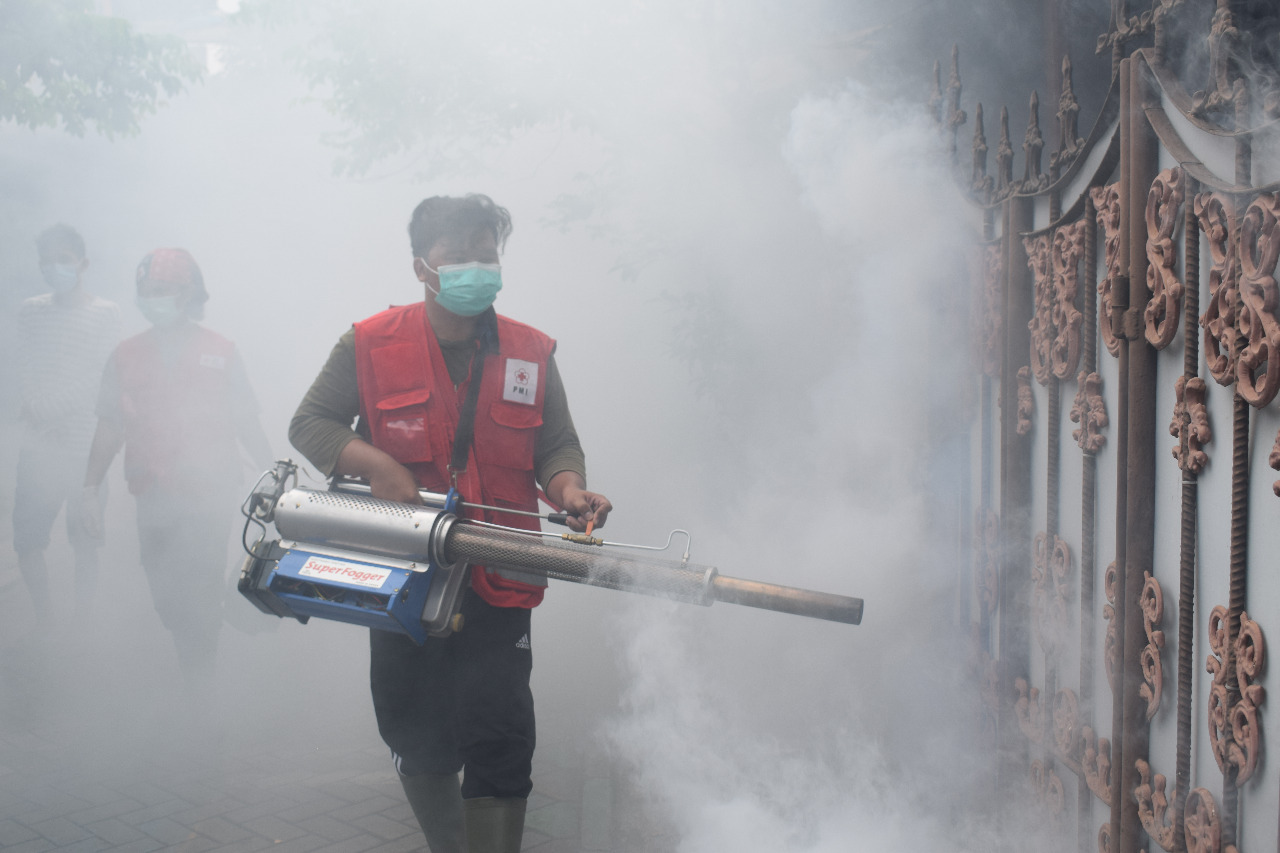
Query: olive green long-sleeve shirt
x=322, y=425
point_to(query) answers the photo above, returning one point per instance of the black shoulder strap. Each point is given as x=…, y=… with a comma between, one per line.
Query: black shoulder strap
x=467, y=416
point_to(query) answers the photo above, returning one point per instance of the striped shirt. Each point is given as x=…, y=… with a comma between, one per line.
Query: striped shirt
x=61, y=351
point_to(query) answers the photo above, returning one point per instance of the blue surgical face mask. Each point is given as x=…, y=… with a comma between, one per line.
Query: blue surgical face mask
x=467, y=289
x=160, y=310
x=61, y=278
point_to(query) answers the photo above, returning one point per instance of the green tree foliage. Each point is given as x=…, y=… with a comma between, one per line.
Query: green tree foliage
x=63, y=66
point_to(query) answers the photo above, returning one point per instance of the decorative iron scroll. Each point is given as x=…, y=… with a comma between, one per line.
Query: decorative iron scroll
x=1258, y=371
x=1153, y=806
x=1190, y=424
x=1235, y=733
x=992, y=312
x=1050, y=569
x=1104, y=838
x=1026, y=401
x=1226, y=48
x=1089, y=409
x=1217, y=217
x=1202, y=825
x=1095, y=761
x=1068, y=250
x=1029, y=710
x=1111, y=645
x=1106, y=201
x=1047, y=786
x=1274, y=461
x=1041, y=323
x=1152, y=604
x=1067, y=740
x=986, y=575
x=1246, y=732
x=1164, y=214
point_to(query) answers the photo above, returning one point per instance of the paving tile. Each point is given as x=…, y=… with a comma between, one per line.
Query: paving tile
x=408, y=844
x=89, y=845
x=249, y=845
x=305, y=844
x=12, y=832
x=327, y=827
x=195, y=844
x=221, y=830
x=115, y=808
x=114, y=831
x=370, y=805
x=167, y=830
x=383, y=828
x=35, y=845
x=271, y=827
x=61, y=831
x=355, y=844
x=267, y=806
x=142, y=845
x=204, y=811
x=155, y=811
x=557, y=820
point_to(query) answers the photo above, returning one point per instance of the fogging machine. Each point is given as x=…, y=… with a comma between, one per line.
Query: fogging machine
x=345, y=555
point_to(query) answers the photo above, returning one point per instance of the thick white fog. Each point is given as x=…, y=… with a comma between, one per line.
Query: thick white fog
x=752, y=260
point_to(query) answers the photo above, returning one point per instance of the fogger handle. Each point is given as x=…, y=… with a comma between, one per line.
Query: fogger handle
x=786, y=599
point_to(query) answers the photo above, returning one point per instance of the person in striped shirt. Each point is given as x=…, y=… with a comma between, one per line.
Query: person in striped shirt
x=64, y=338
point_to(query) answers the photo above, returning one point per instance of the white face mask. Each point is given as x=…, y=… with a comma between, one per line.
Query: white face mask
x=160, y=310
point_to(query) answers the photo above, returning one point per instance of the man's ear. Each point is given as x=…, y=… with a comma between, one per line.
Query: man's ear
x=420, y=269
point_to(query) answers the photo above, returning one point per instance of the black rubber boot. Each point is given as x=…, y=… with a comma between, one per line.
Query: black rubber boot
x=494, y=824
x=437, y=804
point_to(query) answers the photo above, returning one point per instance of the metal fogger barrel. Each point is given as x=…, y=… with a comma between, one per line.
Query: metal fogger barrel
x=350, y=557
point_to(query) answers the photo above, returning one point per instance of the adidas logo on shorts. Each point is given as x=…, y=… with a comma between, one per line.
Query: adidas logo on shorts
x=523, y=642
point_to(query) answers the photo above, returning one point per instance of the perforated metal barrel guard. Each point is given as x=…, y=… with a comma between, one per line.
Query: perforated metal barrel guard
x=578, y=563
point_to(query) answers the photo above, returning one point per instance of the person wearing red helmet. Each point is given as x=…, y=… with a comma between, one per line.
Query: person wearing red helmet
x=177, y=399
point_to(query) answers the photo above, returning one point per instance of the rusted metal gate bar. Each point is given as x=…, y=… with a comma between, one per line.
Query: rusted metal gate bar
x=1015, y=494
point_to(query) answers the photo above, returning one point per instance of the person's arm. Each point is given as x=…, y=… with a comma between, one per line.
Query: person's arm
x=321, y=430
x=559, y=462
x=108, y=438
x=568, y=490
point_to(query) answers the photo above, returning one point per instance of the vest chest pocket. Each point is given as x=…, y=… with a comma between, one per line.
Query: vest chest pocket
x=400, y=426
x=508, y=448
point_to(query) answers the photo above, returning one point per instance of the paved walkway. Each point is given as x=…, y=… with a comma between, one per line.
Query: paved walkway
x=101, y=749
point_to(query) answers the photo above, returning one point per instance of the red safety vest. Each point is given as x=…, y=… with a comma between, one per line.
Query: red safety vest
x=178, y=426
x=411, y=408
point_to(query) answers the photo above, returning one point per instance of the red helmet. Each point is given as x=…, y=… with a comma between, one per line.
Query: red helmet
x=177, y=267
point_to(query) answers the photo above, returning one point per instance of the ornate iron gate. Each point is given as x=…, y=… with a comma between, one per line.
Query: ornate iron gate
x=1126, y=565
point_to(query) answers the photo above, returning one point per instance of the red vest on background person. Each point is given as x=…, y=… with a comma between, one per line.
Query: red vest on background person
x=176, y=404
x=411, y=407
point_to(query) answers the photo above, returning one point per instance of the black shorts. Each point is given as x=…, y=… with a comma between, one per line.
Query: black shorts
x=462, y=702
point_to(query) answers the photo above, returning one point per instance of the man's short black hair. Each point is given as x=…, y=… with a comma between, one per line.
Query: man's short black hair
x=58, y=237
x=444, y=217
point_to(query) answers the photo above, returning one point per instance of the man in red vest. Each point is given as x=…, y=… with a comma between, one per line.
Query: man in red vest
x=416, y=375
x=177, y=399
